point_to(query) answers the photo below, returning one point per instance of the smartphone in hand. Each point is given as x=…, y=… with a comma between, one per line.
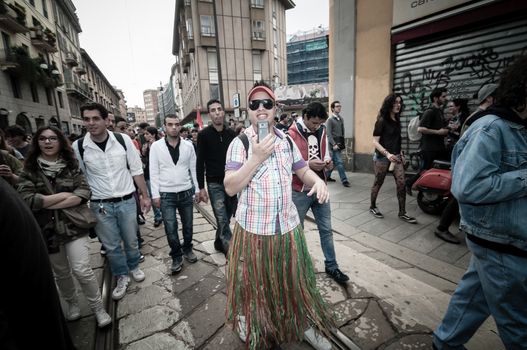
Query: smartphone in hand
x=263, y=129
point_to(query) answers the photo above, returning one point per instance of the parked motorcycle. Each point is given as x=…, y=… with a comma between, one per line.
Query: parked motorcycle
x=433, y=188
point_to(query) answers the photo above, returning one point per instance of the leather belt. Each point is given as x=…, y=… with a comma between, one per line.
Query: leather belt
x=114, y=200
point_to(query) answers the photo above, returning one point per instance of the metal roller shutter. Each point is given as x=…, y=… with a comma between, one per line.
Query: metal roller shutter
x=462, y=63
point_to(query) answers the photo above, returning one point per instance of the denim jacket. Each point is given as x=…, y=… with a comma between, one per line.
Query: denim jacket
x=489, y=169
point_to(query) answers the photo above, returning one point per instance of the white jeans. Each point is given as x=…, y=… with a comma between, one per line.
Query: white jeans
x=75, y=257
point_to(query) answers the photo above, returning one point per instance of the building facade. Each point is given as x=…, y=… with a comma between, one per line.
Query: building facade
x=151, y=106
x=135, y=115
x=101, y=91
x=412, y=47
x=166, y=102
x=307, y=57
x=221, y=48
x=32, y=91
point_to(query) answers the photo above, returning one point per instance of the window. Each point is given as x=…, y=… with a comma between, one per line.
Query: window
x=207, y=26
x=45, y=8
x=34, y=92
x=257, y=66
x=212, y=60
x=61, y=101
x=189, y=28
x=258, y=30
x=15, y=87
x=49, y=97
x=257, y=3
x=276, y=67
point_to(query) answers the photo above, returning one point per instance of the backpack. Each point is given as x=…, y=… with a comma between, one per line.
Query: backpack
x=245, y=141
x=118, y=137
x=413, y=125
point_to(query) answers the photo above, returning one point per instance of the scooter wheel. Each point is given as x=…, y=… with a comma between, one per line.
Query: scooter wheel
x=431, y=203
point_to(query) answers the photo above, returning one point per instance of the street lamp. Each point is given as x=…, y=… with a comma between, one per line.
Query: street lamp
x=162, y=102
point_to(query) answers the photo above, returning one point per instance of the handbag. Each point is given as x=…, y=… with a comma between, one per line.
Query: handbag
x=80, y=216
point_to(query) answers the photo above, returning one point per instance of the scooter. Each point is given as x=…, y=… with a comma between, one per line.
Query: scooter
x=433, y=188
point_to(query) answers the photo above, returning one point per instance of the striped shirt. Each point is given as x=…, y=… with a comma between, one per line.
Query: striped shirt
x=265, y=206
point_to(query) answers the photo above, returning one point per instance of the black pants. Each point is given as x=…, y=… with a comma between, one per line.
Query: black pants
x=450, y=214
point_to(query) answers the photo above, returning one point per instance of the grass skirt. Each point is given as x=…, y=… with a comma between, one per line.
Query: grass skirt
x=271, y=281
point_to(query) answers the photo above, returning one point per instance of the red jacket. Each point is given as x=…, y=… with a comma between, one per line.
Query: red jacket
x=310, y=145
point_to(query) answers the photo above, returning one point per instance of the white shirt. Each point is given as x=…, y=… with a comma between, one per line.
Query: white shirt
x=106, y=171
x=165, y=176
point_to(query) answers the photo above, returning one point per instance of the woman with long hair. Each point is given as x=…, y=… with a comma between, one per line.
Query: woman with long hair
x=51, y=181
x=151, y=135
x=388, y=154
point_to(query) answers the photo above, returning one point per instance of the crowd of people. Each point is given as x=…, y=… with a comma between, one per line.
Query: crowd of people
x=261, y=183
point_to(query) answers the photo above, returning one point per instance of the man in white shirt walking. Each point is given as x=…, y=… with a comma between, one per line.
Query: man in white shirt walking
x=111, y=165
x=174, y=186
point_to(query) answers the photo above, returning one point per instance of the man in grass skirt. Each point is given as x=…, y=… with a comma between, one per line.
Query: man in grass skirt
x=272, y=296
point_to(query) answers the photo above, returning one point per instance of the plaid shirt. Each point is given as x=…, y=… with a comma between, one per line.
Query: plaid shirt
x=265, y=206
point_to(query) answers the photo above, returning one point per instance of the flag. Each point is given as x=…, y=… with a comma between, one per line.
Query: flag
x=198, y=118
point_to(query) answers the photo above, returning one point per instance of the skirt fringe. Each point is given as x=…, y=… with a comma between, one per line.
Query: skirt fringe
x=271, y=282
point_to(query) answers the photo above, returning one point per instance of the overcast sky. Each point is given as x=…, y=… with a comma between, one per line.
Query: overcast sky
x=131, y=42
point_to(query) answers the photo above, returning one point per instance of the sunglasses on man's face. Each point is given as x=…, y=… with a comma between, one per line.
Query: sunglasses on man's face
x=255, y=104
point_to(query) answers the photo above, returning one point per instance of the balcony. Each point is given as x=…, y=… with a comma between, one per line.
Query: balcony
x=8, y=60
x=78, y=90
x=80, y=70
x=71, y=59
x=12, y=18
x=43, y=39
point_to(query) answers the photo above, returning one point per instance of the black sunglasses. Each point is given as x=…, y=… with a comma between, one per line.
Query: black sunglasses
x=255, y=104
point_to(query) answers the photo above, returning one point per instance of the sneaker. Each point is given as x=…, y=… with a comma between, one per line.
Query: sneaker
x=446, y=236
x=242, y=328
x=375, y=212
x=120, y=289
x=138, y=275
x=330, y=179
x=74, y=311
x=103, y=319
x=157, y=223
x=218, y=245
x=316, y=339
x=408, y=219
x=141, y=258
x=337, y=275
x=103, y=251
x=140, y=219
x=346, y=184
x=190, y=256
x=177, y=265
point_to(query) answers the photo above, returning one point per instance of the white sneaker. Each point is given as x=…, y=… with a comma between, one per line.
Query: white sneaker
x=120, y=290
x=103, y=319
x=242, y=328
x=316, y=339
x=138, y=275
x=74, y=311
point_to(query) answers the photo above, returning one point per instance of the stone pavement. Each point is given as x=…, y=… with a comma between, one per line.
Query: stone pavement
x=401, y=280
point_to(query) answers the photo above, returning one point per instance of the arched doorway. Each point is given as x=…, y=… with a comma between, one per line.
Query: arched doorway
x=23, y=121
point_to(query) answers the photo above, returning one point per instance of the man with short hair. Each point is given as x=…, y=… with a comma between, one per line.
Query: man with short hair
x=283, y=123
x=486, y=97
x=489, y=179
x=212, y=146
x=16, y=138
x=309, y=134
x=335, y=131
x=432, y=127
x=111, y=170
x=173, y=180
x=110, y=122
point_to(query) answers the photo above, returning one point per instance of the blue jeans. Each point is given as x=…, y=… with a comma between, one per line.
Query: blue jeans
x=222, y=206
x=117, y=222
x=157, y=211
x=182, y=202
x=322, y=213
x=494, y=284
x=336, y=157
